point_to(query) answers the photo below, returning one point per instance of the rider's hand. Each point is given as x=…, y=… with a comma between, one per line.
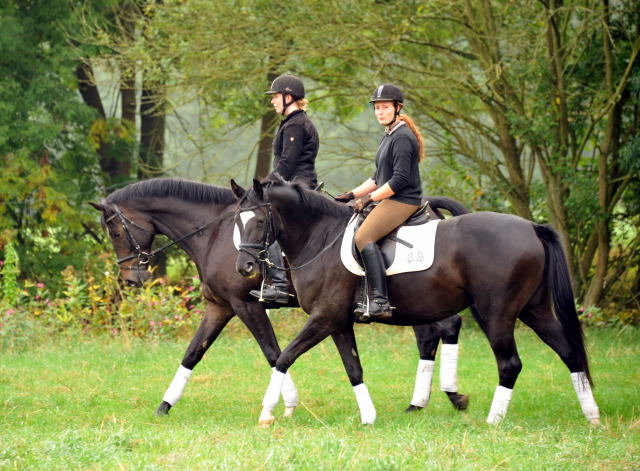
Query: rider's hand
x=361, y=203
x=344, y=197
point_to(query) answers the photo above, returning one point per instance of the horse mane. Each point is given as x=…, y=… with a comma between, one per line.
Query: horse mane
x=187, y=190
x=315, y=201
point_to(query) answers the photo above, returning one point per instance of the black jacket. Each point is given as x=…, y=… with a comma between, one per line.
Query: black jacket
x=397, y=164
x=295, y=148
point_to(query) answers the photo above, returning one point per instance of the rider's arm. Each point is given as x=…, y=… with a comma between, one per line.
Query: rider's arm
x=367, y=187
x=385, y=191
x=292, y=145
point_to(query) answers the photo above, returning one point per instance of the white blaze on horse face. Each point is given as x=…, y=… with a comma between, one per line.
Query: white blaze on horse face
x=245, y=217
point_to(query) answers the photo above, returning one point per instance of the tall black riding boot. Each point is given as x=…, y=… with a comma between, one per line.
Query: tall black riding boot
x=278, y=290
x=379, y=307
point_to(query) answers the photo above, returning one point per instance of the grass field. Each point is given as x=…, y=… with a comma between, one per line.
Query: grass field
x=88, y=404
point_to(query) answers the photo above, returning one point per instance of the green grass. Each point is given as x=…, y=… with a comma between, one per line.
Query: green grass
x=88, y=404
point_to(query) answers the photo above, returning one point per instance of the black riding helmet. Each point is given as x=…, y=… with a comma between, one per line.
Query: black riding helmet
x=287, y=85
x=388, y=92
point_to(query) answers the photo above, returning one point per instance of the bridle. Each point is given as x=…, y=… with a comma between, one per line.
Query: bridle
x=259, y=250
x=145, y=257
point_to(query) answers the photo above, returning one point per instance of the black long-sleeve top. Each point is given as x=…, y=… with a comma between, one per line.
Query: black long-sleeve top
x=295, y=148
x=397, y=164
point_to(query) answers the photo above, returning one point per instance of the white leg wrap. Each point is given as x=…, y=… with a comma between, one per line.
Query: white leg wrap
x=422, y=389
x=272, y=395
x=585, y=396
x=176, y=388
x=289, y=392
x=367, y=409
x=500, y=404
x=449, y=367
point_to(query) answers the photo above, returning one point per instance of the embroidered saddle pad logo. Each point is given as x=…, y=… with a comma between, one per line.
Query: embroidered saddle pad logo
x=407, y=249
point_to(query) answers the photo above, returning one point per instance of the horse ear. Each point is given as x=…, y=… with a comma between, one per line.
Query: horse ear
x=257, y=187
x=98, y=206
x=237, y=190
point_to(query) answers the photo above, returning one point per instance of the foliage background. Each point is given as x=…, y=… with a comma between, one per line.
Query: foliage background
x=530, y=108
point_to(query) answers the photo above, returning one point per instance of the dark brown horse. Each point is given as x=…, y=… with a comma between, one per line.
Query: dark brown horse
x=199, y=218
x=503, y=267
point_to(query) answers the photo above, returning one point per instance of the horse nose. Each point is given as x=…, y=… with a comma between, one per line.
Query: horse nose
x=246, y=269
x=133, y=283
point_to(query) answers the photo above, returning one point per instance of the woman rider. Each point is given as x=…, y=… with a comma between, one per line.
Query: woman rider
x=395, y=184
x=295, y=148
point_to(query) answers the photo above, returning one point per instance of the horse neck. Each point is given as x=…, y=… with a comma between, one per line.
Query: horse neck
x=302, y=233
x=176, y=218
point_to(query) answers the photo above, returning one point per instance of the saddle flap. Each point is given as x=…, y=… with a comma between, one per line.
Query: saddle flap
x=408, y=248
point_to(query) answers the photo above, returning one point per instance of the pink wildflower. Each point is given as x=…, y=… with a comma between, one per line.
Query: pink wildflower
x=152, y=323
x=37, y=297
x=10, y=311
x=159, y=324
x=40, y=285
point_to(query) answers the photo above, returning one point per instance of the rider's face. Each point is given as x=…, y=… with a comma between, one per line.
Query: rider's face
x=384, y=111
x=276, y=101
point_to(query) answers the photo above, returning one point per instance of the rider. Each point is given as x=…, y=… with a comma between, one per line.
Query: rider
x=395, y=183
x=295, y=148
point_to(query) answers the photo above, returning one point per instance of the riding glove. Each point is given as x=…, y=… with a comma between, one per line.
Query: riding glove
x=344, y=197
x=362, y=202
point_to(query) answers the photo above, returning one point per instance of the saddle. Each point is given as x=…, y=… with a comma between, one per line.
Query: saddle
x=408, y=248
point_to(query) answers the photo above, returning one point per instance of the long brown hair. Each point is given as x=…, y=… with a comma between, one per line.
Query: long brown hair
x=416, y=132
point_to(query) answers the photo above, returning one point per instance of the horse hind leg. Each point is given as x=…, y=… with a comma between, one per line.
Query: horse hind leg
x=427, y=337
x=215, y=319
x=549, y=329
x=499, y=329
x=449, y=331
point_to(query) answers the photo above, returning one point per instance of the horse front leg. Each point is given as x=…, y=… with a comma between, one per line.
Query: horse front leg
x=255, y=318
x=316, y=329
x=345, y=341
x=215, y=319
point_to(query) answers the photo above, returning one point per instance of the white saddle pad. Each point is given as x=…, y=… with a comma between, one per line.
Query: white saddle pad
x=417, y=258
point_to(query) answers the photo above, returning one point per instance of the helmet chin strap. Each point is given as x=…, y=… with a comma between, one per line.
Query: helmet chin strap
x=396, y=113
x=286, y=105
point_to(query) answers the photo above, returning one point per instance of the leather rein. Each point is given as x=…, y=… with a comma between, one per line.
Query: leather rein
x=259, y=250
x=145, y=257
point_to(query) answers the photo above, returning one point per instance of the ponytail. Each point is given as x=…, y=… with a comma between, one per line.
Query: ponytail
x=414, y=129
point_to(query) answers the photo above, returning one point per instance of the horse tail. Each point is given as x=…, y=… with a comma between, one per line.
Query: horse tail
x=557, y=274
x=449, y=204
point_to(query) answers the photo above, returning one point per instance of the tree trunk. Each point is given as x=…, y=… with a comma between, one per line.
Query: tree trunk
x=152, y=126
x=265, y=144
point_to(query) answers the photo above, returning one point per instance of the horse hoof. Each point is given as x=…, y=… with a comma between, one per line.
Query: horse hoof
x=163, y=409
x=413, y=408
x=266, y=423
x=462, y=402
x=288, y=411
x=595, y=422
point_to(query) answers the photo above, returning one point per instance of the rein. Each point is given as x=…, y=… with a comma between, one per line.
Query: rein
x=264, y=241
x=145, y=257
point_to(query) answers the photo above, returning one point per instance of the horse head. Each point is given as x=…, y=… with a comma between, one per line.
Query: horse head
x=131, y=233
x=254, y=224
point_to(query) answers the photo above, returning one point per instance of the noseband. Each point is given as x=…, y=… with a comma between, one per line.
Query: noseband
x=259, y=250
x=143, y=257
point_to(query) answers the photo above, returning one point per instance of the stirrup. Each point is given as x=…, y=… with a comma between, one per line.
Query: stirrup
x=364, y=315
x=271, y=294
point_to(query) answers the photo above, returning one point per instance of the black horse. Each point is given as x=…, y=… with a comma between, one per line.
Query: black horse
x=501, y=266
x=199, y=218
